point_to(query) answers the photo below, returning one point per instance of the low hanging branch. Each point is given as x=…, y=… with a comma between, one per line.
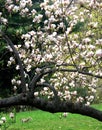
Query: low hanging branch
x=51, y=106
x=63, y=106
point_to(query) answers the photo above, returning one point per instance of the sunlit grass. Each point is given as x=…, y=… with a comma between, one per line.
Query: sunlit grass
x=47, y=121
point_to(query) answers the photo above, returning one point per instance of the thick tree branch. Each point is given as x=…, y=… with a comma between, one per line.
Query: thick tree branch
x=81, y=72
x=52, y=106
x=89, y=74
x=11, y=101
x=63, y=106
x=9, y=42
x=38, y=76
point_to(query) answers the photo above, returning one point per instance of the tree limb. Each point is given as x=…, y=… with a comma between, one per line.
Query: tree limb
x=38, y=76
x=51, y=106
x=9, y=42
x=64, y=106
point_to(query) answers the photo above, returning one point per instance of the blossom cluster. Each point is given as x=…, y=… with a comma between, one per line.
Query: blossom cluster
x=3, y=120
x=3, y=20
x=21, y=6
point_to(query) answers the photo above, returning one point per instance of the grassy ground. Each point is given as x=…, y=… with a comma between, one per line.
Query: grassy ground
x=47, y=121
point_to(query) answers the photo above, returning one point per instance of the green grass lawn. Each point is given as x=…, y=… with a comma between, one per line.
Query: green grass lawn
x=47, y=121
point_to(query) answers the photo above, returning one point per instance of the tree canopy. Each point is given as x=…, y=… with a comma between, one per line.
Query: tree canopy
x=55, y=47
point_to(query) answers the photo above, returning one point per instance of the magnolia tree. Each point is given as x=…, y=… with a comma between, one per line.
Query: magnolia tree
x=58, y=56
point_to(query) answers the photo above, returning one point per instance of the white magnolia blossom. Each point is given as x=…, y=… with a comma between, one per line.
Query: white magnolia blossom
x=17, y=67
x=3, y=119
x=15, y=88
x=11, y=115
x=16, y=9
x=90, y=54
x=18, y=82
x=99, y=53
x=13, y=81
x=4, y=20
x=45, y=88
x=38, y=18
x=87, y=40
x=87, y=104
x=99, y=42
x=65, y=114
x=36, y=93
x=27, y=44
